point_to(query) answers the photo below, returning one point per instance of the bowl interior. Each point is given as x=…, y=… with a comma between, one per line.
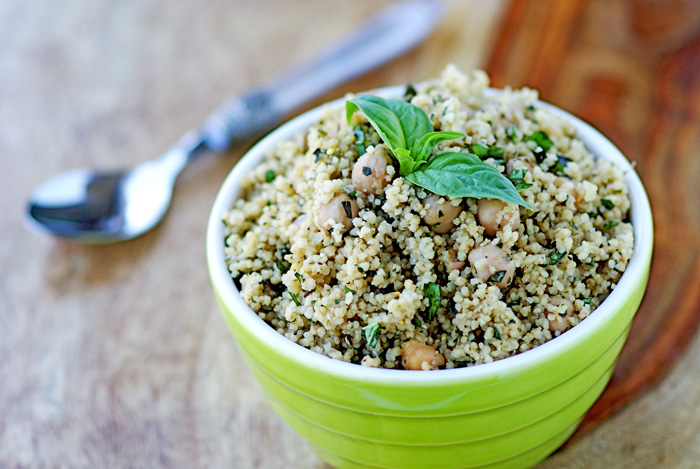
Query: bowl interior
x=635, y=274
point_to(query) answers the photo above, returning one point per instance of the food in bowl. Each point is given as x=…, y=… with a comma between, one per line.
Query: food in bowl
x=378, y=239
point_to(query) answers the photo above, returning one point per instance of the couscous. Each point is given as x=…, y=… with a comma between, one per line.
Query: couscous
x=350, y=241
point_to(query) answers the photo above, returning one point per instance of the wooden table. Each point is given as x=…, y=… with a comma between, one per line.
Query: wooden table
x=116, y=356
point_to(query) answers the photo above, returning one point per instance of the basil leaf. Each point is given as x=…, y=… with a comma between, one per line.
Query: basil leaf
x=270, y=176
x=422, y=149
x=398, y=123
x=465, y=175
x=432, y=292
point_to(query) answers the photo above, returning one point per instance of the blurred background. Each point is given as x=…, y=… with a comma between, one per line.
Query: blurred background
x=115, y=356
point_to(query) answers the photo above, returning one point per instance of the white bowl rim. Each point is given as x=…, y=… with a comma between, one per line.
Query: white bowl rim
x=599, y=145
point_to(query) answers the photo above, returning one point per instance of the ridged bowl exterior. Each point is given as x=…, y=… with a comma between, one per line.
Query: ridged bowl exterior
x=509, y=413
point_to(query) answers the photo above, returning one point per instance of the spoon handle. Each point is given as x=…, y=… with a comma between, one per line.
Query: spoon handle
x=392, y=31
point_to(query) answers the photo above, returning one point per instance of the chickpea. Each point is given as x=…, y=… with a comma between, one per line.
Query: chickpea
x=299, y=220
x=341, y=209
x=560, y=323
x=489, y=260
x=455, y=263
x=494, y=214
x=520, y=162
x=575, y=190
x=440, y=216
x=369, y=172
x=417, y=356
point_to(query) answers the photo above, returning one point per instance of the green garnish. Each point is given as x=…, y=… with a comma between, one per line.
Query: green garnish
x=607, y=204
x=496, y=334
x=282, y=266
x=541, y=139
x=366, y=171
x=410, y=92
x=480, y=150
x=555, y=256
x=487, y=152
x=298, y=276
x=517, y=178
x=359, y=140
x=320, y=153
x=371, y=334
x=587, y=301
x=347, y=207
x=270, y=176
x=417, y=322
x=562, y=162
x=294, y=298
x=432, y=292
x=353, y=195
x=349, y=290
x=512, y=133
x=408, y=133
x=610, y=224
x=497, y=277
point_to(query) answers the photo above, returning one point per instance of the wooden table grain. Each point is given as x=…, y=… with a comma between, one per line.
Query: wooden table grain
x=116, y=356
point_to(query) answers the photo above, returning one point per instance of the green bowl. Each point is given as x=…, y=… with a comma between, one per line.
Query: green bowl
x=510, y=413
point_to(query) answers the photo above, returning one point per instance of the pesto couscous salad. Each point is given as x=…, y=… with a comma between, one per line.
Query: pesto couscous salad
x=450, y=227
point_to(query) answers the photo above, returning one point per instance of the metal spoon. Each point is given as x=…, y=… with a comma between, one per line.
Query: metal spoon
x=89, y=206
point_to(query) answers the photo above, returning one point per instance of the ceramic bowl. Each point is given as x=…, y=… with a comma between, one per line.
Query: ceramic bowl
x=510, y=413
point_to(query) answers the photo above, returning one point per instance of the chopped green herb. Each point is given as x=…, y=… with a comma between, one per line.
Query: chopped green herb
x=371, y=334
x=497, y=277
x=496, y=334
x=517, y=178
x=496, y=152
x=353, y=195
x=281, y=265
x=349, y=290
x=432, y=292
x=410, y=92
x=563, y=161
x=480, y=150
x=530, y=107
x=295, y=299
x=587, y=301
x=512, y=133
x=270, y=176
x=347, y=207
x=320, y=153
x=610, y=224
x=360, y=140
x=541, y=139
x=322, y=132
x=366, y=171
x=556, y=256
x=607, y=204
x=417, y=322
x=298, y=276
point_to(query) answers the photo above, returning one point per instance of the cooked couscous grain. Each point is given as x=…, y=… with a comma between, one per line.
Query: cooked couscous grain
x=342, y=255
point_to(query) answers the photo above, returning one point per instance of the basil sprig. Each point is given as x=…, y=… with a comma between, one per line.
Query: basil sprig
x=408, y=133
